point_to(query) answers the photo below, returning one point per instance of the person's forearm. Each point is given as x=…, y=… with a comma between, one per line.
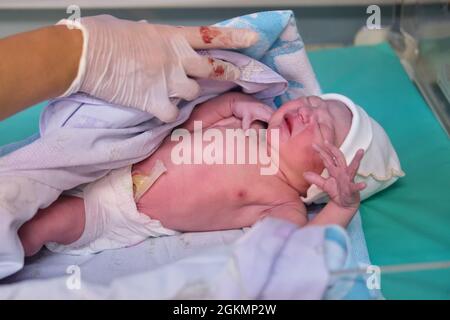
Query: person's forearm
x=333, y=214
x=37, y=65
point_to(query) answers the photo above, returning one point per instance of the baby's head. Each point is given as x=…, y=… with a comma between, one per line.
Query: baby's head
x=302, y=122
x=334, y=118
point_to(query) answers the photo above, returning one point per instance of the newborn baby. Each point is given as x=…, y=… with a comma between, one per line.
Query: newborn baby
x=206, y=197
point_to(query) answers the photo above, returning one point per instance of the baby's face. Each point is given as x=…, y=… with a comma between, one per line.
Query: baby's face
x=305, y=121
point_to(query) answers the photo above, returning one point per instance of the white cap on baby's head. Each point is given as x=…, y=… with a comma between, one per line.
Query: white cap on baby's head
x=379, y=167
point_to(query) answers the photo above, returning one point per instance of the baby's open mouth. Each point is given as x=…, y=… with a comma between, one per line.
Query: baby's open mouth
x=289, y=123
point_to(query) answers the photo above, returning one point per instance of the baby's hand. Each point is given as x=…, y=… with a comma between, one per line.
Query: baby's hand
x=340, y=184
x=250, y=111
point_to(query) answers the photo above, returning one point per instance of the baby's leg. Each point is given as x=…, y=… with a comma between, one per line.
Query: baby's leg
x=62, y=222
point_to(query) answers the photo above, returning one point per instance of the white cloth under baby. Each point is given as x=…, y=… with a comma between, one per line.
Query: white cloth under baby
x=112, y=218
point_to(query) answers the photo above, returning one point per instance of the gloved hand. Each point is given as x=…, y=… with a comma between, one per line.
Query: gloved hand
x=147, y=66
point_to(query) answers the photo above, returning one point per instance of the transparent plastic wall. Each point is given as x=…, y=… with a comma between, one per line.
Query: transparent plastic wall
x=424, y=46
x=421, y=37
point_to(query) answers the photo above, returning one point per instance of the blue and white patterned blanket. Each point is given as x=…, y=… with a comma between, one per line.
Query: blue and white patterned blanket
x=281, y=48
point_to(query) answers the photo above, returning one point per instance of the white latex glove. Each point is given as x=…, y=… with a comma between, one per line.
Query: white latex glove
x=147, y=66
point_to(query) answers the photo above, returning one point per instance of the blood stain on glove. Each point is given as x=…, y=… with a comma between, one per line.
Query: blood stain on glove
x=208, y=34
x=219, y=70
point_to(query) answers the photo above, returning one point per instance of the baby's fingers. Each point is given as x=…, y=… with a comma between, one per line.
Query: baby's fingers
x=314, y=178
x=255, y=111
x=262, y=111
x=246, y=123
x=354, y=165
x=356, y=187
x=338, y=156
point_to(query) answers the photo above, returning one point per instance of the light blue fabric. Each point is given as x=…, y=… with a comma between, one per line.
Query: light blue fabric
x=273, y=260
x=358, y=240
x=280, y=47
x=348, y=286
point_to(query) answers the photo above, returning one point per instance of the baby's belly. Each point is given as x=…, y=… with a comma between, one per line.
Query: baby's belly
x=197, y=198
x=202, y=197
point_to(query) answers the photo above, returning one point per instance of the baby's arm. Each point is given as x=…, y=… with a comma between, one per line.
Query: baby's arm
x=228, y=105
x=62, y=222
x=294, y=212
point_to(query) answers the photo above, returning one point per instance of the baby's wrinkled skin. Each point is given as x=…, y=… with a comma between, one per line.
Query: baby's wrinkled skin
x=205, y=197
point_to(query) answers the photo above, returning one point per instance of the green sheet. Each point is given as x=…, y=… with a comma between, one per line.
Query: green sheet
x=410, y=221
x=21, y=125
